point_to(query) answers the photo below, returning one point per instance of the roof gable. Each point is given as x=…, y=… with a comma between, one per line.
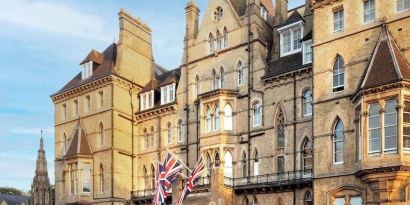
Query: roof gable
x=293, y=18
x=79, y=144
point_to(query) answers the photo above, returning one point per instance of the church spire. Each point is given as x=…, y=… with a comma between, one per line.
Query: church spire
x=40, y=188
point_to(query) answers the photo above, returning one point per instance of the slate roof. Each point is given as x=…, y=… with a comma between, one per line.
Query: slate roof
x=285, y=64
x=162, y=80
x=387, y=64
x=13, y=199
x=94, y=56
x=79, y=144
x=293, y=18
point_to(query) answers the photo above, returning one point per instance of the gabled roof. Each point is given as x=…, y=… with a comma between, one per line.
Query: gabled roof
x=79, y=144
x=162, y=80
x=293, y=18
x=94, y=56
x=387, y=64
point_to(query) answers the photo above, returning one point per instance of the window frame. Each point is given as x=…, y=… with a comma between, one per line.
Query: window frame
x=338, y=18
x=305, y=46
x=170, y=136
x=404, y=9
x=86, y=177
x=396, y=125
x=307, y=103
x=369, y=130
x=406, y=124
x=257, y=114
x=334, y=141
x=208, y=119
x=228, y=117
x=180, y=130
x=371, y=10
x=290, y=29
x=216, y=119
x=339, y=66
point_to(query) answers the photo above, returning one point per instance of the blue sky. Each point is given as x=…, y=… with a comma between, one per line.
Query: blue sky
x=42, y=43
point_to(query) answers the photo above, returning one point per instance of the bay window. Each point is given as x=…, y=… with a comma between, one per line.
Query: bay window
x=390, y=126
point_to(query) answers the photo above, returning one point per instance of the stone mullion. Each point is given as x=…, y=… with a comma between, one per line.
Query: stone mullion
x=400, y=111
x=382, y=136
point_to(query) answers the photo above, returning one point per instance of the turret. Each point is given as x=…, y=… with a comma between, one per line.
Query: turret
x=192, y=19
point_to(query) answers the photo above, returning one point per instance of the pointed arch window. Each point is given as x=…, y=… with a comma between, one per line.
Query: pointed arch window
x=256, y=164
x=225, y=37
x=196, y=87
x=146, y=138
x=307, y=157
x=215, y=82
x=244, y=165
x=152, y=136
x=101, y=135
x=240, y=73
x=228, y=120
x=307, y=103
x=222, y=78
x=338, y=74
x=216, y=118
x=152, y=177
x=65, y=144
x=228, y=166
x=211, y=43
x=145, y=173
x=218, y=40
x=208, y=120
x=308, y=198
x=169, y=133
x=257, y=114
x=338, y=142
x=280, y=129
x=101, y=179
x=217, y=159
x=180, y=130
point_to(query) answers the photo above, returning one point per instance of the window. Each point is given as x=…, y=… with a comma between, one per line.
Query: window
x=374, y=128
x=217, y=159
x=146, y=139
x=208, y=120
x=307, y=160
x=150, y=99
x=101, y=135
x=169, y=133
x=406, y=126
x=307, y=52
x=390, y=126
x=287, y=42
x=357, y=200
x=196, y=87
x=73, y=179
x=218, y=13
x=338, y=75
x=359, y=133
x=152, y=136
x=297, y=36
x=167, y=94
x=211, y=43
x=65, y=144
x=228, y=167
x=290, y=39
x=340, y=201
x=257, y=114
x=228, y=120
x=240, y=73
x=64, y=114
x=338, y=20
x=338, y=142
x=76, y=108
x=264, y=12
x=308, y=198
x=86, y=178
x=152, y=178
x=214, y=80
x=307, y=103
x=222, y=78
x=281, y=164
x=225, y=38
x=218, y=40
x=143, y=102
x=216, y=118
x=280, y=129
x=208, y=165
x=244, y=165
x=101, y=179
x=144, y=171
x=180, y=130
x=88, y=100
x=101, y=98
x=403, y=5
x=256, y=164
x=87, y=70
x=369, y=10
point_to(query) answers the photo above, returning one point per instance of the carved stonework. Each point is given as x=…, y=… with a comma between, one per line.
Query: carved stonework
x=314, y=4
x=382, y=170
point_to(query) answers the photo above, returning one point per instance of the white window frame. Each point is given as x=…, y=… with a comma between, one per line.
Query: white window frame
x=290, y=29
x=257, y=116
x=405, y=124
x=208, y=119
x=168, y=94
x=180, y=130
x=369, y=151
x=228, y=118
x=307, y=103
x=305, y=46
x=370, y=11
x=391, y=150
x=170, y=136
x=264, y=12
x=147, y=100
x=87, y=70
x=334, y=141
x=86, y=175
x=338, y=16
x=216, y=119
x=340, y=72
x=404, y=5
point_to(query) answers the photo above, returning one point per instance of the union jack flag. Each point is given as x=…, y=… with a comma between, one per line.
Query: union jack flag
x=171, y=169
x=160, y=191
x=192, y=180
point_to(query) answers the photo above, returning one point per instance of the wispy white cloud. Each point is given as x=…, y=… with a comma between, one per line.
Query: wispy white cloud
x=53, y=17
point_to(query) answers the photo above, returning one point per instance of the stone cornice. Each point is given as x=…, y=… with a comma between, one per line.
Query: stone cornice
x=218, y=92
x=382, y=170
x=275, y=79
x=314, y=4
x=380, y=89
x=155, y=112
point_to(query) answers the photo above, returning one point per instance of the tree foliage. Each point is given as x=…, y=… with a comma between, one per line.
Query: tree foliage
x=11, y=191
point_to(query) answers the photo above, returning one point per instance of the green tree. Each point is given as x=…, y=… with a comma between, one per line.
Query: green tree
x=11, y=191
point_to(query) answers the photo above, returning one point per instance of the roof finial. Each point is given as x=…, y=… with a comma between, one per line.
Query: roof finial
x=41, y=139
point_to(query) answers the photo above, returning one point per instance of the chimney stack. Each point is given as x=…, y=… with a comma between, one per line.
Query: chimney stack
x=192, y=19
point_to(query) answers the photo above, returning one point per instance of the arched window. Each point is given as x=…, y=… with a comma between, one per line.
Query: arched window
x=152, y=136
x=208, y=165
x=101, y=179
x=308, y=198
x=338, y=74
x=216, y=159
x=254, y=201
x=245, y=201
x=307, y=103
x=280, y=129
x=222, y=78
x=211, y=43
x=196, y=86
x=146, y=139
x=256, y=164
x=228, y=120
x=307, y=156
x=257, y=114
x=244, y=165
x=152, y=178
x=208, y=120
x=216, y=118
x=240, y=73
x=180, y=131
x=145, y=174
x=338, y=141
x=218, y=40
x=101, y=135
x=225, y=37
x=228, y=166
x=169, y=133
x=214, y=80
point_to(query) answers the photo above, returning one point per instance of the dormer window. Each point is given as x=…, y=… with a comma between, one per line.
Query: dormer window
x=168, y=94
x=147, y=100
x=290, y=37
x=87, y=70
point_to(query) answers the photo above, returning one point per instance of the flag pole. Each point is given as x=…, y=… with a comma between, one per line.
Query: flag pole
x=172, y=154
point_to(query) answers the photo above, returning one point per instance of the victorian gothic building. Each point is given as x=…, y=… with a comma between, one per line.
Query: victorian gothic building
x=303, y=106
x=40, y=188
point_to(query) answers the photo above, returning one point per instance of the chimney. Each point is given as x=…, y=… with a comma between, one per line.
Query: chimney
x=135, y=57
x=281, y=11
x=192, y=18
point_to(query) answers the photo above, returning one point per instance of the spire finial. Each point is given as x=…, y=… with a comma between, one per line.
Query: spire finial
x=41, y=139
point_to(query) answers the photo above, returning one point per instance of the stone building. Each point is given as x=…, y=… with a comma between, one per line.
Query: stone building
x=255, y=97
x=40, y=188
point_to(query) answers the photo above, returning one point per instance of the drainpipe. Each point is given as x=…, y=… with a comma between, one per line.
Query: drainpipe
x=197, y=129
x=186, y=109
x=250, y=35
x=132, y=138
x=294, y=134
